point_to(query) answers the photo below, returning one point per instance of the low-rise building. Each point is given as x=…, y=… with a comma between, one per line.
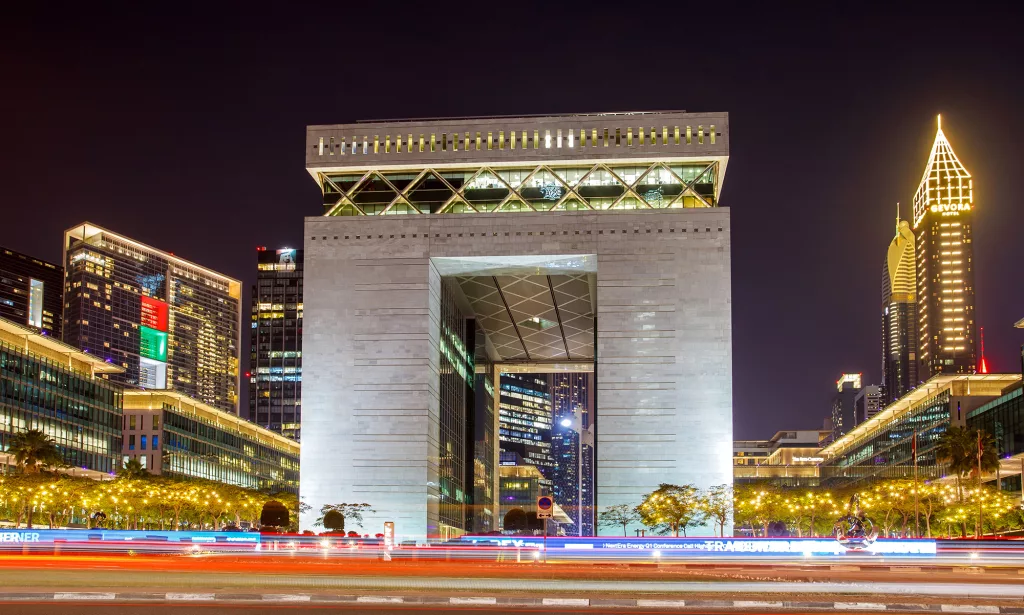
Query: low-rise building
x=59, y=390
x=173, y=435
x=881, y=446
x=787, y=459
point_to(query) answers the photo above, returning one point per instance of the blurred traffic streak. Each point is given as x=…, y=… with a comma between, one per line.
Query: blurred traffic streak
x=510, y=549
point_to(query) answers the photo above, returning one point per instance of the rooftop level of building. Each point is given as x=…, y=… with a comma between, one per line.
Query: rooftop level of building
x=155, y=400
x=91, y=233
x=957, y=385
x=663, y=135
x=33, y=343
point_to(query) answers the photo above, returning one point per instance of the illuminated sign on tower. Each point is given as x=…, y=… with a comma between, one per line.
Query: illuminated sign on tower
x=152, y=343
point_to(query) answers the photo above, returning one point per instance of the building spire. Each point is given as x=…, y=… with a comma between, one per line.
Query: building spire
x=982, y=364
x=945, y=180
x=897, y=217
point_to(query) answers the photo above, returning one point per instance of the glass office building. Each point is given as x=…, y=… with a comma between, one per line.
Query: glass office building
x=1003, y=418
x=485, y=451
x=169, y=323
x=571, y=435
x=275, y=353
x=457, y=421
x=173, y=435
x=31, y=292
x=881, y=446
x=524, y=419
x=61, y=391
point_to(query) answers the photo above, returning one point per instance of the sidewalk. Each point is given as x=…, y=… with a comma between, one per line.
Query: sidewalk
x=874, y=604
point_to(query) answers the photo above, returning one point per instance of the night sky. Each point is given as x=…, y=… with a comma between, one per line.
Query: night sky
x=186, y=131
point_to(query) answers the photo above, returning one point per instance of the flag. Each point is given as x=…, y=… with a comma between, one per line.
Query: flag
x=981, y=448
x=913, y=448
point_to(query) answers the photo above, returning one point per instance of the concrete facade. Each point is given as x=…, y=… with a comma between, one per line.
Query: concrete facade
x=371, y=350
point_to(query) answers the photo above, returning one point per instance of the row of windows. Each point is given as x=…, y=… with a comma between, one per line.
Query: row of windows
x=524, y=139
x=142, y=442
x=214, y=435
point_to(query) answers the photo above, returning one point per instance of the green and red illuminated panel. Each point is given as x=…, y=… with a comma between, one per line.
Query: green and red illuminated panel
x=153, y=343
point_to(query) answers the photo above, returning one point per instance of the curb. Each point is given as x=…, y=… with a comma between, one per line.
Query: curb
x=478, y=601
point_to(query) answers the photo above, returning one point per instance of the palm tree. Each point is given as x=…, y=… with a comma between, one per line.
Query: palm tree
x=989, y=453
x=33, y=450
x=132, y=469
x=958, y=448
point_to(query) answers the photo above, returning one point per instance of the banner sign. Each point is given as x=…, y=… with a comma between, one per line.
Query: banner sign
x=9, y=537
x=609, y=546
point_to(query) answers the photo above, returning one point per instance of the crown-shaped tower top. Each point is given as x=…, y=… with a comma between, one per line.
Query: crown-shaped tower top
x=946, y=186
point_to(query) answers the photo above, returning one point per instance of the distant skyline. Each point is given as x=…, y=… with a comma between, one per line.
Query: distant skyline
x=186, y=132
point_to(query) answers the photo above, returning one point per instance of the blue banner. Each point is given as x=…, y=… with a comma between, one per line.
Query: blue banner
x=9, y=537
x=668, y=547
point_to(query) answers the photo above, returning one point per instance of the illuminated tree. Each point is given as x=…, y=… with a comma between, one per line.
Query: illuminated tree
x=758, y=505
x=933, y=498
x=809, y=507
x=671, y=508
x=890, y=504
x=133, y=500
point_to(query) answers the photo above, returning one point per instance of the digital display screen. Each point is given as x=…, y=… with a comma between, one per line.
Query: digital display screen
x=152, y=374
x=153, y=344
x=153, y=313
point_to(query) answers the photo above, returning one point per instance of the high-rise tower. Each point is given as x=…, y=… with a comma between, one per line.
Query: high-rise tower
x=171, y=324
x=943, y=225
x=31, y=292
x=275, y=376
x=899, y=315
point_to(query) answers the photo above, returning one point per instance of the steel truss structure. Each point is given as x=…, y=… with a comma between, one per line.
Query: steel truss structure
x=480, y=189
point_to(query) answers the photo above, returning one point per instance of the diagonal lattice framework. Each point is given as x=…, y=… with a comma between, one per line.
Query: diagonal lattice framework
x=531, y=317
x=595, y=187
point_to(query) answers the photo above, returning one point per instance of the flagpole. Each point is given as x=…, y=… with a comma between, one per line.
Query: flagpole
x=917, y=508
x=979, y=486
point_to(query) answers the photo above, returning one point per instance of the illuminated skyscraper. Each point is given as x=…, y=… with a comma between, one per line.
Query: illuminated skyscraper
x=843, y=418
x=524, y=423
x=31, y=292
x=169, y=323
x=943, y=225
x=571, y=441
x=275, y=359
x=899, y=315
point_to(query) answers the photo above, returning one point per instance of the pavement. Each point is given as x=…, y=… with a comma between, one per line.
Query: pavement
x=96, y=603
